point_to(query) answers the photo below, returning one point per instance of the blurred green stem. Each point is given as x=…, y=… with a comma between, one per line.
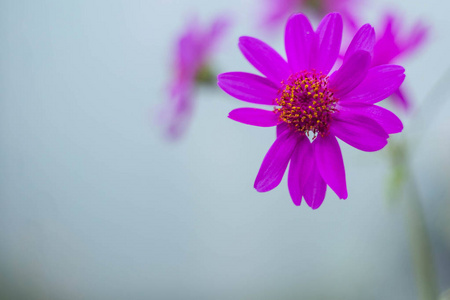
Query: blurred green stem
x=421, y=251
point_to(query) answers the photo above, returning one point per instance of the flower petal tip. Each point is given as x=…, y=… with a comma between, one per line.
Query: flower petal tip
x=297, y=15
x=297, y=202
x=315, y=206
x=244, y=39
x=333, y=14
x=259, y=188
x=337, y=18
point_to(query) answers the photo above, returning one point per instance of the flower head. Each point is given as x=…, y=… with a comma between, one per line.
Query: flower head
x=312, y=107
x=192, y=54
x=393, y=44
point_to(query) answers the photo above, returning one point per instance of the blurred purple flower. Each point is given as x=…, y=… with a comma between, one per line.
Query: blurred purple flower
x=191, y=67
x=310, y=105
x=393, y=44
x=277, y=11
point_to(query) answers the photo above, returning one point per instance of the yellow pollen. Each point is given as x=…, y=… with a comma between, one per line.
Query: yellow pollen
x=306, y=104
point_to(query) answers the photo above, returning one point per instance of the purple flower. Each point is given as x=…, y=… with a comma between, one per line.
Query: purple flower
x=310, y=105
x=193, y=50
x=278, y=10
x=392, y=46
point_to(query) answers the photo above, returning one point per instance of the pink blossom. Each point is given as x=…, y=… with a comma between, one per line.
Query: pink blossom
x=393, y=44
x=191, y=64
x=313, y=108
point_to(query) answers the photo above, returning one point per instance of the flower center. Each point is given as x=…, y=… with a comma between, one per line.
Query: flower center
x=306, y=103
x=205, y=75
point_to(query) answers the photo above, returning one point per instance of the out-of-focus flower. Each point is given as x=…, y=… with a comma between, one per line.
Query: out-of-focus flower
x=277, y=11
x=393, y=44
x=191, y=67
x=312, y=106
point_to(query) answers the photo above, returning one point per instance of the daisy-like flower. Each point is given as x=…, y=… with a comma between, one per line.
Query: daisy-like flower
x=393, y=44
x=191, y=68
x=276, y=11
x=312, y=108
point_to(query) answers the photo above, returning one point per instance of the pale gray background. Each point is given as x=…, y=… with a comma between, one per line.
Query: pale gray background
x=95, y=204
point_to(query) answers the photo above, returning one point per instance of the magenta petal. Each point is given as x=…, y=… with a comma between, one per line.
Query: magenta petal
x=248, y=87
x=364, y=39
x=177, y=113
x=281, y=128
x=276, y=12
x=416, y=38
x=350, y=74
x=385, y=118
x=275, y=162
x=329, y=34
x=300, y=168
x=380, y=82
x=298, y=39
x=217, y=30
x=264, y=59
x=330, y=164
x=386, y=47
x=255, y=117
x=359, y=131
x=400, y=98
x=314, y=188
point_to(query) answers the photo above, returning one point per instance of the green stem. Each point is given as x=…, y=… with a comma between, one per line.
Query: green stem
x=421, y=251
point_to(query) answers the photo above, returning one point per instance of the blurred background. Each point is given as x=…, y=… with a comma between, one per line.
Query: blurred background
x=96, y=204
